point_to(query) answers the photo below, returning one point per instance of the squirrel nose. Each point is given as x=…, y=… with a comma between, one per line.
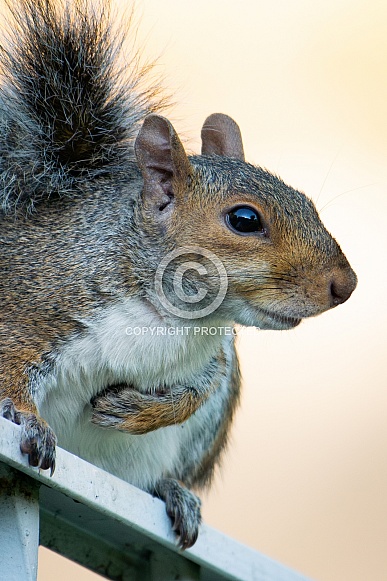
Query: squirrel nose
x=341, y=286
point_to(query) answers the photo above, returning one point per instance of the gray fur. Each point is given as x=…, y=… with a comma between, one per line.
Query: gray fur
x=68, y=113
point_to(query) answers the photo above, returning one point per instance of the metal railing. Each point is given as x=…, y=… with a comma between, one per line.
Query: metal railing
x=106, y=525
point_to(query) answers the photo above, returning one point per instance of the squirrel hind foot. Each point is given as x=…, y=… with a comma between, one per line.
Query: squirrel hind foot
x=183, y=508
x=37, y=438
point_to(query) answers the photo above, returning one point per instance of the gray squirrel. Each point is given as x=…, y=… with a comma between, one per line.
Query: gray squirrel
x=102, y=213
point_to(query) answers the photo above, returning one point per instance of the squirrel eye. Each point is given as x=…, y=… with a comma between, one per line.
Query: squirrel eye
x=245, y=220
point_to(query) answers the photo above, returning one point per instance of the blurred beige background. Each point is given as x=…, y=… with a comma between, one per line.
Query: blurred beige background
x=305, y=477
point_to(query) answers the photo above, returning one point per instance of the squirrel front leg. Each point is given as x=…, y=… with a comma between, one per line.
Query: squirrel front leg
x=16, y=404
x=128, y=409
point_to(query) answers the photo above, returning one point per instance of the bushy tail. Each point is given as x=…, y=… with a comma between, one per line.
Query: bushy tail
x=69, y=109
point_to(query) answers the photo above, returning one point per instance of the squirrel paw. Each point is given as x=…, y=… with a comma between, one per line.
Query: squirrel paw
x=183, y=508
x=129, y=410
x=37, y=440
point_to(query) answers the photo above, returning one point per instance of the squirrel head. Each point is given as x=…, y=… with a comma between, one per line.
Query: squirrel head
x=233, y=230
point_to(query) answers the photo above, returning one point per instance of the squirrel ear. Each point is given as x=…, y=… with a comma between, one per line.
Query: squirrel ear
x=162, y=160
x=222, y=136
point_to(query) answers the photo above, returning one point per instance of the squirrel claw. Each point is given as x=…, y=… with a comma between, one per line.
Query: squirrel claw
x=183, y=508
x=37, y=440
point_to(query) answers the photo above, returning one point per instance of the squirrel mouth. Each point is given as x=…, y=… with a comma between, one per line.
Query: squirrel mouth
x=284, y=321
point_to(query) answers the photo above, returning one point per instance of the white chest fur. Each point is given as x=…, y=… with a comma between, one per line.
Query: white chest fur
x=129, y=344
